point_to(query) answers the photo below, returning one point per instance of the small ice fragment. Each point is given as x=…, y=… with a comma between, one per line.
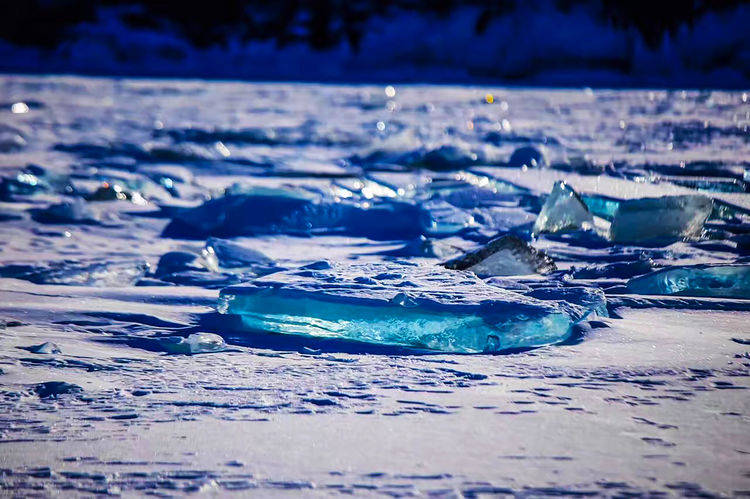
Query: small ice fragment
x=10, y=139
x=449, y=157
x=178, y=261
x=45, y=348
x=655, y=219
x=563, y=211
x=19, y=108
x=195, y=343
x=504, y=256
x=727, y=281
x=76, y=211
x=527, y=156
x=617, y=270
x=232, y=255
x=446, y=219
x=51, y=389
x=442, y=310
x=423, y=247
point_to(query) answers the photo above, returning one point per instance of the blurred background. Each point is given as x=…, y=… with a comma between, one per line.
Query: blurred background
x=672, y=43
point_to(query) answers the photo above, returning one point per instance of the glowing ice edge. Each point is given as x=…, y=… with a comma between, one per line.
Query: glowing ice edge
x=398, y=304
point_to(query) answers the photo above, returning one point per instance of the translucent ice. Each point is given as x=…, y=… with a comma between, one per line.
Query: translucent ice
x=504, y=256
x=730, y=281
x=655, y=219
x=601, y=206
x=527, y=156
x=76, y=212
x=78, y=273
x=292, y=212
x=564, y=210
x=195, y=343
x=423, y=247
x=231, y=255
x=397, y=303
x=193, y=269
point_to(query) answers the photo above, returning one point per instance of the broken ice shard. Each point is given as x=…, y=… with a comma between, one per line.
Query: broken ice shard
x=422, y=247
x=292, y=212
x=660, y=219
x=727, y=281
x=504, y=256
x=232, y=255
x=396, y=303
x=195, y=343
x=563, y=211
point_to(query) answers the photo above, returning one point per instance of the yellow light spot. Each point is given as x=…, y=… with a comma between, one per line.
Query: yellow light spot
x=470, y=125
x=390, y=91
x=489, y=98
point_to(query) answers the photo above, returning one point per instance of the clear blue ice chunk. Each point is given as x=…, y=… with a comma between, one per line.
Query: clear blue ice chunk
x=563, y=211
x=397, y=303
x=726, y=281
x=659, y=219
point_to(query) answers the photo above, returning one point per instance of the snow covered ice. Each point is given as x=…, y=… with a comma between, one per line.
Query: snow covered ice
x=245, y=268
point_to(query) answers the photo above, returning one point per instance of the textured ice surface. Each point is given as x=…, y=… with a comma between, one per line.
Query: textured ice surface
x=397, y=304
x=564, y=210
x=654, y=219
x=504, y=256
x=732, y=281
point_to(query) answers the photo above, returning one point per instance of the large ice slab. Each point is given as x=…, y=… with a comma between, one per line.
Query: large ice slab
x=397, y=303
x=664, y=218
x=729, y=281
x=290, y=212
x=504, y=256
x=564, y=210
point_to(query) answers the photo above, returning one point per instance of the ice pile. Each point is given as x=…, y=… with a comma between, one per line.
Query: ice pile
x=638, y=221
x=504, y=256
x=728, y=281
x=400, y=303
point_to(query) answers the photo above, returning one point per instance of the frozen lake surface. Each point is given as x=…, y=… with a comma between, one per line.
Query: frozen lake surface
x=295, y=234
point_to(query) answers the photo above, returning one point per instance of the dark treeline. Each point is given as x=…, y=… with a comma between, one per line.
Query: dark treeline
x=320, y=23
